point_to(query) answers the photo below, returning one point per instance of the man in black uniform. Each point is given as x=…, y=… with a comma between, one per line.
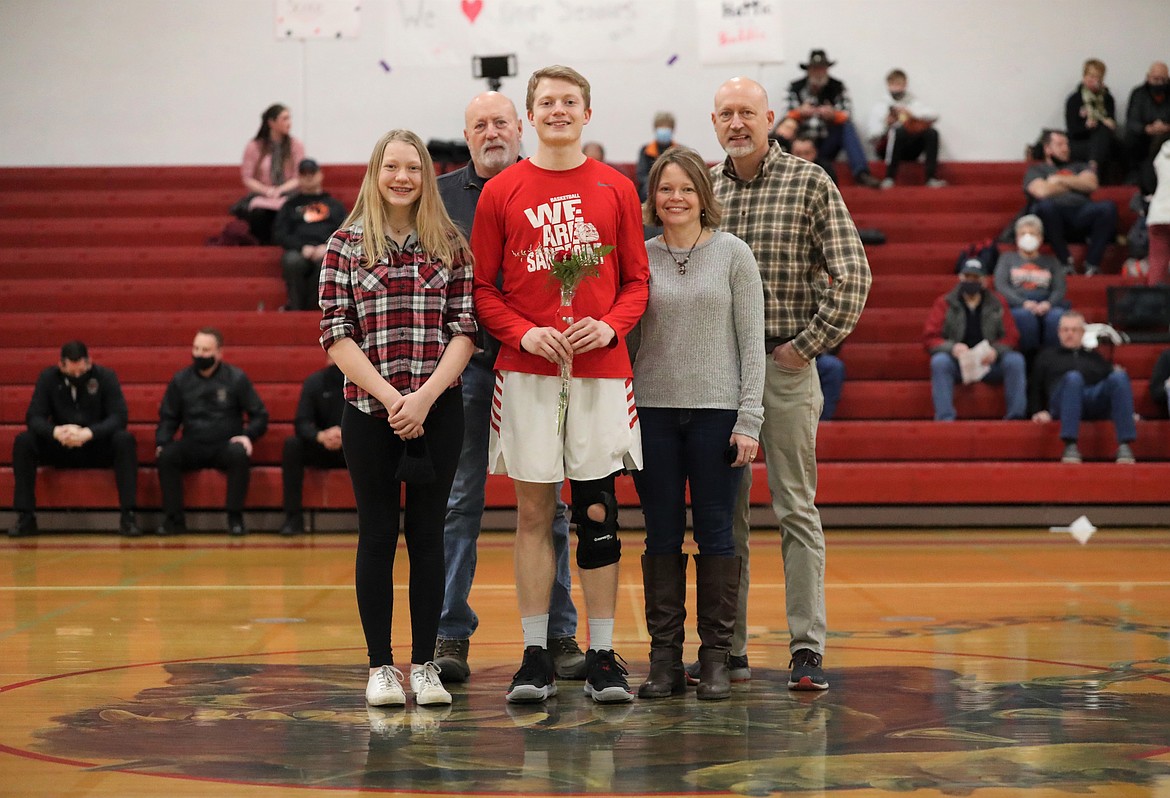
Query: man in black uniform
x=76, y=419
x=317, y=441
x=209, y=400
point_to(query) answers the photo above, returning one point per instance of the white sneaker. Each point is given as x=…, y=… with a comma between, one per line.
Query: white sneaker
x=936, y=182
x=385, y=688
x=424, y=682
x=886, y=184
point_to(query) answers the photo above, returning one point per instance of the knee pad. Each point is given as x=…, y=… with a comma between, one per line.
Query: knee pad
x=598, y=544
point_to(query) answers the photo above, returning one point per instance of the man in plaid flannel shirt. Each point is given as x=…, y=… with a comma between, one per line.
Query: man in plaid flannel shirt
x=816, y=279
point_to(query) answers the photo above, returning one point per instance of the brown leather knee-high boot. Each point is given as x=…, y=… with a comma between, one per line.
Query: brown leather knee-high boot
x=717, y=580
x=664, y=580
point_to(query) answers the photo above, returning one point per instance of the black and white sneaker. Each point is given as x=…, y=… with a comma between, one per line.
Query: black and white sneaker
x=606, y=677
x=807, y=673
x=535, y=681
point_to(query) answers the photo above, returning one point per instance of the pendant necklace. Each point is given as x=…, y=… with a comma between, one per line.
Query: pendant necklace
x=682, y=264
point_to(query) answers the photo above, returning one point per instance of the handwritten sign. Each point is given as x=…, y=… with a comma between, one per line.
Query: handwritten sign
x=428, y=32
x=739, y=31
x=317, y=19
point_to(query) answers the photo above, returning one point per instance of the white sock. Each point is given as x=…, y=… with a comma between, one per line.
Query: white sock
x=535, y=630
x=601, y=634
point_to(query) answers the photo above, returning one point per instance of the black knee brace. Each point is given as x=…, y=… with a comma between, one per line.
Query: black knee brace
x=597, y=541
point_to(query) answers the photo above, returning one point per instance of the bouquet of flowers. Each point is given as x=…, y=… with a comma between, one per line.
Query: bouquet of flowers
x=569, y=268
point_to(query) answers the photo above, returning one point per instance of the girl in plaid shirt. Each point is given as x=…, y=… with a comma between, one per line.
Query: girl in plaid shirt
x=398, y=321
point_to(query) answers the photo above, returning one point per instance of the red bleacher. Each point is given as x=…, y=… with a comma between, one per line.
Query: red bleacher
x=115, y=256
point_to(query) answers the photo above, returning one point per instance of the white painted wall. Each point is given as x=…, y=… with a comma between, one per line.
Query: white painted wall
x=121, y=82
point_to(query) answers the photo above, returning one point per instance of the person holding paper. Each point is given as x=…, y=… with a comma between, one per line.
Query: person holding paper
x=967, y=317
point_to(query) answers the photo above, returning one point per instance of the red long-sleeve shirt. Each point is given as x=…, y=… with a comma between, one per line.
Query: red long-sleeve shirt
x=527, y=215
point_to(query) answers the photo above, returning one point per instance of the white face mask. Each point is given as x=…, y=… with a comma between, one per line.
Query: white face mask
x=1028, y=242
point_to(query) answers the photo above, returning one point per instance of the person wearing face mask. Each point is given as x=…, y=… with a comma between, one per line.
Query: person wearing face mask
x=1089, y=119
x=1033, y=285
x=958, y=321
x=1060, y=192
x=902, y=129
x=209, y=400
x=1147, y=121
x=76, y=419
x=663, y=140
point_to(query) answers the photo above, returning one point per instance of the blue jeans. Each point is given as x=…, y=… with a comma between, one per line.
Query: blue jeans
x=1037, y=331
x=1008, y=369
x=682, y=446
x=832, y=373
x=844, y=135
x=465, y=514
x=1111, y=398
x=1095, y=222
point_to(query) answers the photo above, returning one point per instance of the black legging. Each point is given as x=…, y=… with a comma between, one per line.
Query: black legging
x=372, y=452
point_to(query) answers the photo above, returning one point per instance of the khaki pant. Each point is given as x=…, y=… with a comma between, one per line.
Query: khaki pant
x=792, y=406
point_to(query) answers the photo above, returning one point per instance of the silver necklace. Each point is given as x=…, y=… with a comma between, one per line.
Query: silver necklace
x=682, y=264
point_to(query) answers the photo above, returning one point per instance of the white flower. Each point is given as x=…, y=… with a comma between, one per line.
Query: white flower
x=586, y=233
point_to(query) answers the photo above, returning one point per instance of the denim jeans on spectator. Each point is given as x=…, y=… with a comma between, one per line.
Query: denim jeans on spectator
x=1008, y=369
x=681, y=447
x=465, y=516
x=1037, y=331
x=1111, y=398
x=1095, y=222
x=831, y=370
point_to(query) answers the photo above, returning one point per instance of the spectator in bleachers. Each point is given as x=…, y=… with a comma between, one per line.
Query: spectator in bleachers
x=831, y=370
x=785, y=133
x=268, y=170
x=1158, y=219
x=594, y=150
x=822, y=106
x=1069, y=383
x=1160, y=384
x=902, y=128
x=1033, y=285
x=303, y=225
x=961, y=319
x=1147, y=121
x=1060, y=193
x=76, y=419
x=316, y=440
x=209, y=401
x=1089, y=117
x=805, y=148
x=663, y=140
x=398, y=320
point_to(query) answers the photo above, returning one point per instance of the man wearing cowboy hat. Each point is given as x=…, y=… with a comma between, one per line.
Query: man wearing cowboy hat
x=822, y=107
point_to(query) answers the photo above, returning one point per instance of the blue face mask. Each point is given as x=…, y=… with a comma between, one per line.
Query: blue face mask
x=663, y=135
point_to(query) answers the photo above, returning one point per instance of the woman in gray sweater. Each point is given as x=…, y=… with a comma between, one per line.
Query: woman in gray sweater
x=698, y=379
x=1033, y=285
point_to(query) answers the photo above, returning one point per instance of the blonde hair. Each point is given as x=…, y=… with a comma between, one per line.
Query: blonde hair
x=437, y=234
x=556, y=72
x=1094, y=65
x=693, y=166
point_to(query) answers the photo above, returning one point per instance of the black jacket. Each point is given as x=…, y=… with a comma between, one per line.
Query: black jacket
x=292, y=230
x=99, y=404
x=1158, y=382
x=210, y=409
x=321, y=403
x=1053, y=363
x=1074, y=123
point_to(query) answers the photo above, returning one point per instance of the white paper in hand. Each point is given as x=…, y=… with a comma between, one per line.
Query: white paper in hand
x=971, y=363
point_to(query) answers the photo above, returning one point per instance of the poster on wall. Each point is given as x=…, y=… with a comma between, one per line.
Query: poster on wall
x=430, y=32
x=738, y=31
x=317, y=19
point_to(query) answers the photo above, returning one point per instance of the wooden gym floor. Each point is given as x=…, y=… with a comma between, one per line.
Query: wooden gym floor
x=981, y=663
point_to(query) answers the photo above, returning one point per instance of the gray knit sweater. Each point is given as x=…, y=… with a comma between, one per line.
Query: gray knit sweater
x=700, y=343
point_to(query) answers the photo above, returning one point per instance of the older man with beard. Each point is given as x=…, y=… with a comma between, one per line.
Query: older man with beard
x=492, y=129
x=816, y=279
